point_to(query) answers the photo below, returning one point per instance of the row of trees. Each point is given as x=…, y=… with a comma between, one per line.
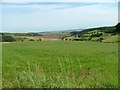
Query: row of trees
x=4, y=38
x=83, y=39
x=27, y=34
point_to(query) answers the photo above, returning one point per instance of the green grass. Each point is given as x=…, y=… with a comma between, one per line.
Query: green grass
x=60, y=64
x=0, y=66
x=111, y=39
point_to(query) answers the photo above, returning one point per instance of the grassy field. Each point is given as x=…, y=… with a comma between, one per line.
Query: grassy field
x=0, y=66
x=60, y=64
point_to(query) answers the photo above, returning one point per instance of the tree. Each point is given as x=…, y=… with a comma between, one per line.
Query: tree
x=8, y=39
x=118, y=28
x=39, y=39
x=32, y=40
x=22, y=40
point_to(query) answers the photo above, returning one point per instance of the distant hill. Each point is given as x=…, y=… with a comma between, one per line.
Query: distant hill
x=60, y=31
x=101, y=34
x=99, y=29
x=96, y=34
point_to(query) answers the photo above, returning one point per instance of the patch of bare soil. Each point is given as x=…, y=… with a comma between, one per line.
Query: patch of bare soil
x=50, y=39
x=6, y=42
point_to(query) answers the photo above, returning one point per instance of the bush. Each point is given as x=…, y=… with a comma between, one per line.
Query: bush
x=117, y=28
x=96, y=35
x=78, y=39
x=100, y=39
x=7, y=39
x=32, y=40
x=39, y=40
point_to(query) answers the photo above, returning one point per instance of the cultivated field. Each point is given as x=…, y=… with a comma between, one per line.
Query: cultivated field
x=60, y=64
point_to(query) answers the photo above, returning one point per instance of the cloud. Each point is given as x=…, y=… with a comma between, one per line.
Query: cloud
x=44, y=19
x=56, y=5
x=87, y=1
x=62, y=4
x=45, y=15
x=48, y=3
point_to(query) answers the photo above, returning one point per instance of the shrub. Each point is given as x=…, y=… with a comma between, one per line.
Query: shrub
x=32, y=40
x=7, y=39
x=117, y=28
x=78, y=39
x=39, y=39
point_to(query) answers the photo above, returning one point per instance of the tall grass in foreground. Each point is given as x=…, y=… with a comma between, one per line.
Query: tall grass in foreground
x=65, y=75
x=60, y=65
x=0, y=66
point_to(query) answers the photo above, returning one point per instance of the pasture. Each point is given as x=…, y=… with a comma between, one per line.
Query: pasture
x=60, y=64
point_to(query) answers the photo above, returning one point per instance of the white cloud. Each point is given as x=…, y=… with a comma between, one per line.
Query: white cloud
x=43, y=18
x=87, y=1
x=49, y=17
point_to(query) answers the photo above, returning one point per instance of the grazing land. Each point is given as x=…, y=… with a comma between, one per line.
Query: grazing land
x=60, y=64
x=78, y=59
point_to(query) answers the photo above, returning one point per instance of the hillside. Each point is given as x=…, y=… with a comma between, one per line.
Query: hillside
x=102, y=34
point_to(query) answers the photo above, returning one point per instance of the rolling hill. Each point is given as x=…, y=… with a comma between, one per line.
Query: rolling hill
x=102, y=34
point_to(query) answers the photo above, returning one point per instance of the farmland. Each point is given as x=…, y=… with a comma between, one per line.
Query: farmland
x=60, y=64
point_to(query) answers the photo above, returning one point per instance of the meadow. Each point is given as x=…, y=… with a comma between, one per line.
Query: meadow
x=60, y=64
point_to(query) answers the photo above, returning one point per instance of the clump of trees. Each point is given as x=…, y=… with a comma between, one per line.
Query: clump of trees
x=118, y=28
x=96, y=35
x=35, y=40
x=7, y=39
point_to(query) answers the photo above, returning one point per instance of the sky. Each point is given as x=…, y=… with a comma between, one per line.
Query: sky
x=54, y=15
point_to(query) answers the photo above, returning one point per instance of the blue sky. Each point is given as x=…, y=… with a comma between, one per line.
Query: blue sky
x=55, y=15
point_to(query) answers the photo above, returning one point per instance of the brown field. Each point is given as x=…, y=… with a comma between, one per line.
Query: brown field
x=6, y=42
x=50, y=39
